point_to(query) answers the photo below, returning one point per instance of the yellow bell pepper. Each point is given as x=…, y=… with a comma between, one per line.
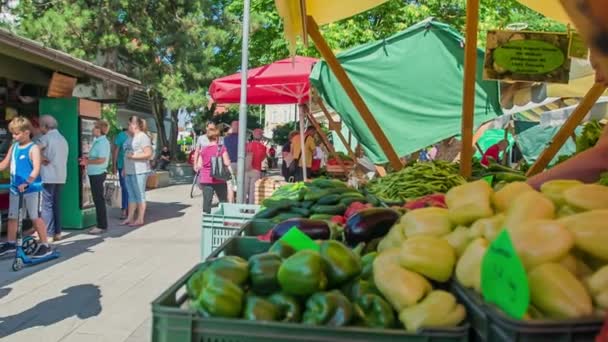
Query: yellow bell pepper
x=528, y=206
x=438, y=309
x=426, y=221
x=557, y=293
x=401, y=287
x=469, y=202
x=541, y=241
x=468, y=267
x=487, y=227
x=598, y=281
x=458, y=239
x=590, y=232
x=555, y=189
x=394, y=238
x=503, y=198
x=576, y=266
x=587, y=197
x=430, y=256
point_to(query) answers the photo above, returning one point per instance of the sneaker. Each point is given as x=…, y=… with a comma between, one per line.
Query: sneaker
x=57, y=237
x=97, y=231
x=7, y=248
x=43, y=250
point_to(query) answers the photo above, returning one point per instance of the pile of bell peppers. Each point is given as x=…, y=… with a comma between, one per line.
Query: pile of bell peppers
x=330, y=287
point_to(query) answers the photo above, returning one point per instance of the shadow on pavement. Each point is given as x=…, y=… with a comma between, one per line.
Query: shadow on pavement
x=82, y=301
x=79, y=242
x=5, y=291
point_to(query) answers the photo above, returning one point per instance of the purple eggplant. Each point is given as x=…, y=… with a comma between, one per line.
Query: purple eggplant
x=315, y=229
x=369, y=224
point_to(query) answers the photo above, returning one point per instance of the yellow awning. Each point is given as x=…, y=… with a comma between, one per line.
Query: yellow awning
x=324, y=12
x=549, y=8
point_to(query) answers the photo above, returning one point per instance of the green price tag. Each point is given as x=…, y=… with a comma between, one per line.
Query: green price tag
x=577, y=47
x=503, y=277
x=298, y=240
x=489, y=179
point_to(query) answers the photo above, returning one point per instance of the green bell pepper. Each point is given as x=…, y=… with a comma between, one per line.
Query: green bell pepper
x=359, y=287
x=302, y=274
x=374, y=312
x=341, y=263
x=328, y=308
x=260, y=309
x=263, y=269
x=282, y=249
x=289, y=307
x=367, y=265
x=232, y=268
x=220, y=298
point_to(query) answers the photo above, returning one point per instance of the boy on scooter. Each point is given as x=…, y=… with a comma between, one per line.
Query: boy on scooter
x=24, y=159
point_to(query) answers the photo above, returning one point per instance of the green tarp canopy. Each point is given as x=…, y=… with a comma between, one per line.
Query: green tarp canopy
x=412, y=84
x=533, y=141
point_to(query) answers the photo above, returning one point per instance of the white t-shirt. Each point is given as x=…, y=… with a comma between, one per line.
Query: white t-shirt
x=136, y=145
x=202, y=141
x=55, y=149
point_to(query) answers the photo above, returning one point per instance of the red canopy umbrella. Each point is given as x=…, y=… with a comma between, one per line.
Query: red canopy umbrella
x=282, y=82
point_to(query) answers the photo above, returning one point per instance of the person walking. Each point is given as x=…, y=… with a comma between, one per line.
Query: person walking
x=257, y=154
x=118, y=157
x=208, y=183
x=138, y=152
x=231, y=141
x=97, y=163
x=24, y=160
x=201, y=143
x=54, y=148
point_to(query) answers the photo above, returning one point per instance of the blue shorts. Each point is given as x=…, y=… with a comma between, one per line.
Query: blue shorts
x=136, y=187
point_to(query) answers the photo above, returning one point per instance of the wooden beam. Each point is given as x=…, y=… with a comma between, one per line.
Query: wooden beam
x=468, y=94
x=567, y=129
x=381, y=170
x=324, y=139
x=353, y=94
x=340, y=135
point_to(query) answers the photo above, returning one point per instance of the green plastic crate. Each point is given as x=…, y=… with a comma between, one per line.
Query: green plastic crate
x=223, y=223
x=174, y=321
x=251, y=229
x=492, y=325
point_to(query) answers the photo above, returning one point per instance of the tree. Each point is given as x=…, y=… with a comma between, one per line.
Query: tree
x=280, y=134
x=170, y=45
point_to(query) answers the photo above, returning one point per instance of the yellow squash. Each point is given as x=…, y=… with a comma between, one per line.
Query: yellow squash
x=590, y=232
x=557, y=293
x=503, y=198
x=555, y=189
x=438, y=309
x=528, y=206
x=469, y=202
x=541, y=241
x=468, y=267
x=587, y=197
x=426, y=221
x=400, y=287
x=430, y=256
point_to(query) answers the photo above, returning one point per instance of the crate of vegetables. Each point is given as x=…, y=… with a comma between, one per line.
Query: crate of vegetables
x=309, y=295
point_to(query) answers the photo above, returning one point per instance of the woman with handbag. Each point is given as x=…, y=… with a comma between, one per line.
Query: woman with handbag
x=215, y=170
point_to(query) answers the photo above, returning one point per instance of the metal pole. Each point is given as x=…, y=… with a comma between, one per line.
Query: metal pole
x=240, y=190
x=302, y=142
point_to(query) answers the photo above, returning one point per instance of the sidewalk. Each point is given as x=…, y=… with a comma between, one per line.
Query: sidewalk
x=100, y=289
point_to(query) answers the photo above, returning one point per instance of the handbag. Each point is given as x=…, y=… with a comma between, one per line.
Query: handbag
x=218, y=168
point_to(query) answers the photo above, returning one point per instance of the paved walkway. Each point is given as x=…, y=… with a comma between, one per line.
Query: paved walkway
x=101, y=287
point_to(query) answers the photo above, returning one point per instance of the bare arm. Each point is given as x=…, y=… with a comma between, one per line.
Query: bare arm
x=4, y=164
x=36, y=160
x=115, y=158
x=585, y=166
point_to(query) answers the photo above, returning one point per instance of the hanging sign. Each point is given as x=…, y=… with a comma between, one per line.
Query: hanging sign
x=577, y=47
x=527, y=56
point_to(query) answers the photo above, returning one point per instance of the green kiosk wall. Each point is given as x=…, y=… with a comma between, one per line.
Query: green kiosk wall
x=69, y=113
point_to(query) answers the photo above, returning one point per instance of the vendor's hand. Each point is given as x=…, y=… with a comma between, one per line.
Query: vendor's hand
x=23, y=187
x=83, y=161
x=45, y=161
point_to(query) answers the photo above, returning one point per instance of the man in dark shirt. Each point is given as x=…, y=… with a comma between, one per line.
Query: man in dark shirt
x=231, y=141
x=165, y=158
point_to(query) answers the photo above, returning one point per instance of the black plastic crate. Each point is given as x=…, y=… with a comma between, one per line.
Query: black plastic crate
x=490, y=324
